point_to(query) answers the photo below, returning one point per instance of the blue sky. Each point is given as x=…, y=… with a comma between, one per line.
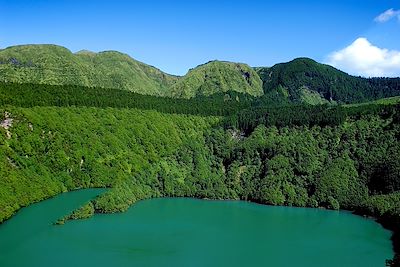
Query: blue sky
x=176, y=35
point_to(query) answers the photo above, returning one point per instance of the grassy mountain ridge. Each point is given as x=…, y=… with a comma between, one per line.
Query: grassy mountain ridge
x=301, y=80
x=218, y=76
x=56, y=65
x=51, y=64
x=302, y=76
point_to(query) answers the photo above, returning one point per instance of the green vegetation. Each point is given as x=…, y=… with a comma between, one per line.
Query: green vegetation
x=310, y=97
x=221, y=143
x=216, y=77
x=318, y=156
x=301, y=80
x=352, y=164
x=329, y=83
x=299, y=115
x=49, y=150
x=31, y=95
x=56, y=65
x=84, y=212
x=382, y=101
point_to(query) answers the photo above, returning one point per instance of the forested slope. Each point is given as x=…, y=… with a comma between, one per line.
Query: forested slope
x=305, y=80
x=49, y=150
x=31, y=95
x=299, y=155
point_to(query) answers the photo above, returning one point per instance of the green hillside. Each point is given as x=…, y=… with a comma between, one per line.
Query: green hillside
x=218, y=76
x=49, y=150
x=383, y=101
x=305, y=80
x=277, y=136
x=298, y=155
x=301, y=80
x=56, y=65
x=32, y=95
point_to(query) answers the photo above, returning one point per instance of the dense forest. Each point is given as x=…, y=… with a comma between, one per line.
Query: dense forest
x=31, y=95
x=48, y=150
x=226, y=146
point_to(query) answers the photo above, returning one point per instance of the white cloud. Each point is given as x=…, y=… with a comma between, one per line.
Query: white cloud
x=364, y=59
x=388, y=15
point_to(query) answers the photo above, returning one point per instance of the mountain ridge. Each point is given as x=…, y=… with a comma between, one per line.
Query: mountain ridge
x=300, y=80
x=218, y=76
x=57, y=65
x=301, y=76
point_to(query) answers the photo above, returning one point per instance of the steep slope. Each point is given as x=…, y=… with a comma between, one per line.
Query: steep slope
x=56, y=65
x=218, y=76
x=353, y=164
x=48, y=150
x=305, y=80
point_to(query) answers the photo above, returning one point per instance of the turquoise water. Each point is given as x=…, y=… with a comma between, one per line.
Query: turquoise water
x=187, y=232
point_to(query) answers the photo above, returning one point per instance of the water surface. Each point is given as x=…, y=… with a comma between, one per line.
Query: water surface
x=187, y=232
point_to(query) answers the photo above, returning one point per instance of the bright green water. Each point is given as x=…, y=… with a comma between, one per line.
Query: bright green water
x=188, y=232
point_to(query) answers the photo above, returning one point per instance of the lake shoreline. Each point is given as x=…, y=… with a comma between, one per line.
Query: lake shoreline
x=172, y=230
x=387, y=223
